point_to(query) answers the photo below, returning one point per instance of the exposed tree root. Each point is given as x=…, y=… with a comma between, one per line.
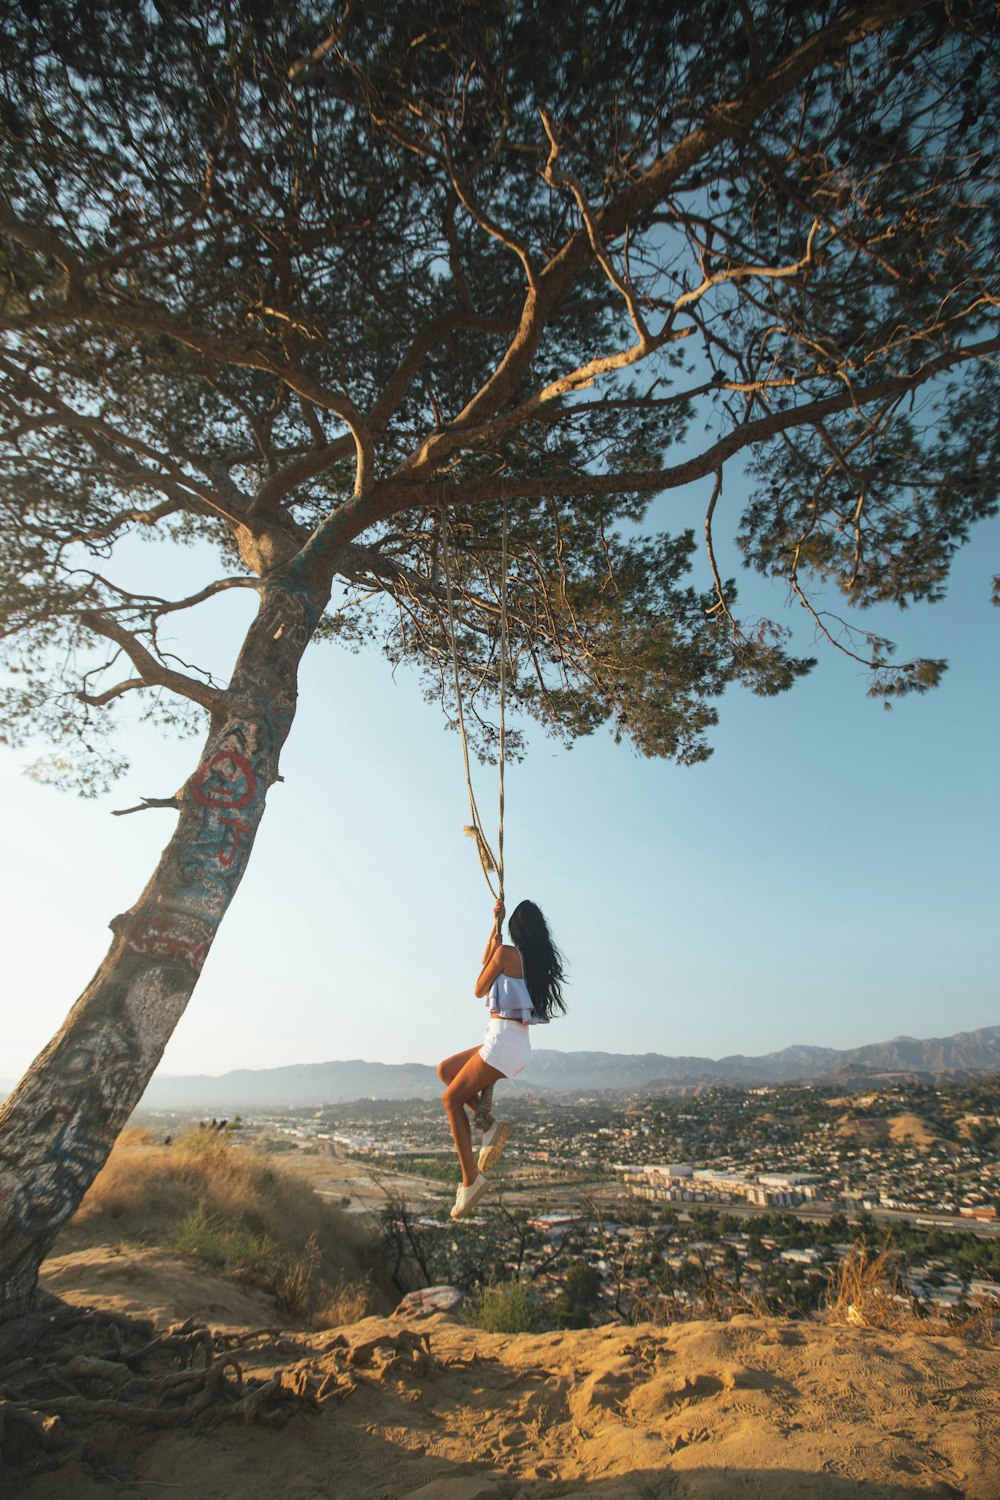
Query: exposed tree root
x=401, y=1351
x=65, y=1368
x=47, y=1430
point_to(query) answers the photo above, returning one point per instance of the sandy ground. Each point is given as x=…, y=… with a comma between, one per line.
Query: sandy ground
x=156, y=1284
x=756, y=1407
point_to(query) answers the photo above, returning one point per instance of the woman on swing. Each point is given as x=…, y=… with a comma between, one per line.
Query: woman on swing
x=521, y=982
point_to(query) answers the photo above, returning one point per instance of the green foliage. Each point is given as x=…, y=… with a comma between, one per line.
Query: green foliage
x=705, y=1220
x=284, y=290
x=837, y=1228
x=505, y=1307
x=224, y=1247
x=440, y=1166
x=580, y=1296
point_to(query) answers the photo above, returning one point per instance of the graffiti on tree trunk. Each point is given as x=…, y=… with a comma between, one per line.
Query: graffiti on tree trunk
x=96, y=1069
x=225, y=783
x=96, y=1077
x=225, y=792
x=61, y=1121
x=179, y=938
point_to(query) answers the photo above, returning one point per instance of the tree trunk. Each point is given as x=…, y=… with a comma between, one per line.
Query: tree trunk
x=58, y=1127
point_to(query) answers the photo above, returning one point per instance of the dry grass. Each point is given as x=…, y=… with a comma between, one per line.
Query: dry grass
x=910, y=1129
x=348, y=1303
x=238, y=1210
x=867, y=1291
x=981, y=1326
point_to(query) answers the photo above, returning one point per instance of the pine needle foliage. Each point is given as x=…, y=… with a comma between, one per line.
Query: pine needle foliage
x=278, y=287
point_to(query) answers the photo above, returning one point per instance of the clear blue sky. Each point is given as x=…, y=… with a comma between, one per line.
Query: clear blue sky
x=828, y=877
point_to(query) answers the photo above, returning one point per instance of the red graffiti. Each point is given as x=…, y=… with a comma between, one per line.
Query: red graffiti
x=239, y=828
x=157, y=938
x=224, y=780
x=223, y=784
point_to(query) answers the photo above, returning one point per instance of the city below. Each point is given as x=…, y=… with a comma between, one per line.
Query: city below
x=716, y=1199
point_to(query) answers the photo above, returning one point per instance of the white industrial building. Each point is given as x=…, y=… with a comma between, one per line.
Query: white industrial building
x=679, y=1182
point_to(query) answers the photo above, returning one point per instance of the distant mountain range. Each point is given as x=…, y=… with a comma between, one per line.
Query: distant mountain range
x=967, y=1053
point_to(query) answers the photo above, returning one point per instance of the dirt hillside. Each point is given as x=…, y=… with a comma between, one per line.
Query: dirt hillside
x=434, y=1410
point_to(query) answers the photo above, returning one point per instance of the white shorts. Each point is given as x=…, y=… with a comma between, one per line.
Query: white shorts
x=506, y=1046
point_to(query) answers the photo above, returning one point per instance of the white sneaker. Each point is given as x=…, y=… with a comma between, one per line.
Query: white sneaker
x=467, y=1197
x=493, y=1143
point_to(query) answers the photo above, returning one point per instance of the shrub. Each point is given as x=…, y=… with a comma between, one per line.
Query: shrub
x=867, y=1290
x=505, y=1307
x=296, y=1280
x=580, y=1296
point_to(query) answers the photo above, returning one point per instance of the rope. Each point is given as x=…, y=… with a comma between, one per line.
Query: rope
x=503, y=684
x=492, y=864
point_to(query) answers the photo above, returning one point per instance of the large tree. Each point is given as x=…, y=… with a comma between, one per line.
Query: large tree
x=296, y=292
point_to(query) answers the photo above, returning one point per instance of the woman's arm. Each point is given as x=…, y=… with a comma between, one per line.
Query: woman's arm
x=493, y=967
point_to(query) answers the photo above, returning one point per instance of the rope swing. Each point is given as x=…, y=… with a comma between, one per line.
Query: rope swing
x=492, y=864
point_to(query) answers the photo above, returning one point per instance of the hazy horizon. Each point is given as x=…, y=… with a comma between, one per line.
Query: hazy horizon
x=608, y=1052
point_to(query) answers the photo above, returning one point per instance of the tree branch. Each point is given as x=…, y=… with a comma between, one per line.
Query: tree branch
x=490, y=227
x=402, y=377
x=108, y=442
x=399, y=492
x=726, y=120
x=151, y=319
x=44, y=242
x=145, y=805
x=720, y=593
x=154, y=673
x=158, y=606
x=98, y=700
x=132, y=517
x=313, y=463
x=209, y=591
x=568, y=180
x=747, y=273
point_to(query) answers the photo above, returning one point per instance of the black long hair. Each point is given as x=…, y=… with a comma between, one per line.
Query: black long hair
x=543, y=965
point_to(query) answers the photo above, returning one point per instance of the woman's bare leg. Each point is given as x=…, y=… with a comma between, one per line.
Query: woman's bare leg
x=451, y=1067
x=470, y=1080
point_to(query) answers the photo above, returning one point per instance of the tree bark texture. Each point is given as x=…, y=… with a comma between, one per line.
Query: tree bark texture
x=58, y=1126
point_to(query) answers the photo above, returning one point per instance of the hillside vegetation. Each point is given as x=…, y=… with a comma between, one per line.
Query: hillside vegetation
x=237, y=1212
